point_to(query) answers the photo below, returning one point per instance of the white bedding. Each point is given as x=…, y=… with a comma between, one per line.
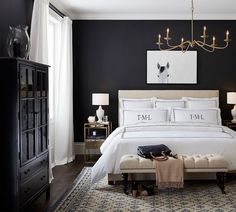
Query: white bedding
x=184, y=138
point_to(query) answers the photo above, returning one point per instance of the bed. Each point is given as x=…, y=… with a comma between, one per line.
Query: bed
x=187, y=121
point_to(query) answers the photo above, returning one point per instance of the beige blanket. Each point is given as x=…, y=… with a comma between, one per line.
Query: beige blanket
x=169, y=173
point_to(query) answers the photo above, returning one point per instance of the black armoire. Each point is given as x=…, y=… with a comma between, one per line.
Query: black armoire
x=23, y=132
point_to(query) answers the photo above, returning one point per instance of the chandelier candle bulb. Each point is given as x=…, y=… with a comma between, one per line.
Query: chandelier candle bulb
x=227, y=35
x=167, y=32
x=159, y=38
x=204, y=31
x=213, y=40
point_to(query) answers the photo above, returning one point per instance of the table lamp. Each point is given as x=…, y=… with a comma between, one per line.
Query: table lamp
x=100, y=99
x=231, y=99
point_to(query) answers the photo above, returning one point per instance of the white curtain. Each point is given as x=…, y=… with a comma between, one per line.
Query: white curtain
x=39, y=44
x=63, y=114
x=61, y=126
x=39, y=32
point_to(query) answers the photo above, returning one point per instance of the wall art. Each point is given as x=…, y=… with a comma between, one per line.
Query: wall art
x=171, y=67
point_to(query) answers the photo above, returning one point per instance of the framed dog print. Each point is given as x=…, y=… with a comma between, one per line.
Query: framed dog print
x=171, y=67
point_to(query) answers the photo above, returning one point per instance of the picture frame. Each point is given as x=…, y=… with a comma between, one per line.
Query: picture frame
x=171, y=67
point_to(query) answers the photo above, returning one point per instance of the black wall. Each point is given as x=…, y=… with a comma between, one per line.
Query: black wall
x=111, y=55
x=12, y=13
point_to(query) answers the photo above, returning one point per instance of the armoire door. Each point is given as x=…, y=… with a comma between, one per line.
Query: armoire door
x=42, y=107
x=27, y=114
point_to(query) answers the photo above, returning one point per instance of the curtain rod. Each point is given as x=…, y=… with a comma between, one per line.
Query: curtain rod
x=51, y=6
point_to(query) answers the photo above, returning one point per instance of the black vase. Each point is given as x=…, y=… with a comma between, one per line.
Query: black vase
x=18, y=42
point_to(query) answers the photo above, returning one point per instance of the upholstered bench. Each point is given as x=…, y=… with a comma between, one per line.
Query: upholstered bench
x=130, y=164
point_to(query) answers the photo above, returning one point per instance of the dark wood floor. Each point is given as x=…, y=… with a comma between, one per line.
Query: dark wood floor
x=64, y=176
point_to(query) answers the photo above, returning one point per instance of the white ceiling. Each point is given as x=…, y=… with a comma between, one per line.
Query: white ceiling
x=147, y=9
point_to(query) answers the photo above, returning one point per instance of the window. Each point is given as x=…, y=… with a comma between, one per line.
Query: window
x=54, y=42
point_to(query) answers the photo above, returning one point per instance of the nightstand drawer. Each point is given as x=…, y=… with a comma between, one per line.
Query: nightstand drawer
x=29, y=169
x=30, y=187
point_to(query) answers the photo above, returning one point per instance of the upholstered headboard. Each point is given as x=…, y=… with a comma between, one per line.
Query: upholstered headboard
x=165, y=94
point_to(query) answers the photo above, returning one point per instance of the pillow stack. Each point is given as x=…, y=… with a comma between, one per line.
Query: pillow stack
x=154, y=110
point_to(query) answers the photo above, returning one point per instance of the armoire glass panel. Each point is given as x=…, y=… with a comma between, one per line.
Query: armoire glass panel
x=39, y=84
x=31, y=114
x=44, y=111
x=39, y=112
x=23, y=82
x=24, y=147
x=30, y=83
x=24, y=115
x=31, y=143
x=40, y=140
x=44, y=138
x=44, y=82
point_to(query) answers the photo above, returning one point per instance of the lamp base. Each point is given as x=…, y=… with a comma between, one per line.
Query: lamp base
x=100, y=114
x=233, y=112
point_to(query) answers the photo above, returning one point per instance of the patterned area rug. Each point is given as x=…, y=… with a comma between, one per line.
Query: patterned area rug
x=196, y=196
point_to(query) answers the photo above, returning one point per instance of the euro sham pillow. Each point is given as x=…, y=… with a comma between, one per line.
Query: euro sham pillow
x=201, y=102
x=187, y=115
x=136, y=103
x=136, y=116
x=169, y=104
x=128, y=103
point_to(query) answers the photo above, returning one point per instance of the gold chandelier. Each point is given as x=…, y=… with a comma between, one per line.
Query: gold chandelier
x=184, y=45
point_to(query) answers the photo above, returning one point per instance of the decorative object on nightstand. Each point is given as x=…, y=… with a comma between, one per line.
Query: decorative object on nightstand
x=94, y=136
x=100, y=99
x=231, y=99
x=91, y=119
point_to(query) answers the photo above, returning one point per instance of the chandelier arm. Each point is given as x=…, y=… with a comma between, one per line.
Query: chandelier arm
x=222, y=47
x=212, y=49
x=184, y=50
x=200, y=43
x=169, y=49
x=168, y=44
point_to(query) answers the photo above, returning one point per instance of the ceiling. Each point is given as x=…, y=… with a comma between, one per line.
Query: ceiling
x=147, y=9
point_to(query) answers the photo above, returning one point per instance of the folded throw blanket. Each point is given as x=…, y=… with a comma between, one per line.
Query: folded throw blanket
x=169, y=173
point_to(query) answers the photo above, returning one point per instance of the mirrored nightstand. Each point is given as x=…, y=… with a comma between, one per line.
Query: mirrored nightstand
x=94, y=136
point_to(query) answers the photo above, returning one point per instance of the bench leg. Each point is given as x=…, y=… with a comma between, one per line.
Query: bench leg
x=220, y=176
x=111, y=182
x=125, y=182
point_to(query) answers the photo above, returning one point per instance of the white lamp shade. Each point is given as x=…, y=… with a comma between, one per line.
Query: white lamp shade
x=100, y=99
x=231, y=97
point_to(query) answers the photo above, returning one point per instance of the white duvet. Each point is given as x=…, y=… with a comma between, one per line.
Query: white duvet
x=180, y=138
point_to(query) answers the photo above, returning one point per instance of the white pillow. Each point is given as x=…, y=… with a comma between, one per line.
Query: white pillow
x=136, y=103
x=201, y=102
x=128, y=103
x=135, y=116
x=208, y=115
x=169, y=104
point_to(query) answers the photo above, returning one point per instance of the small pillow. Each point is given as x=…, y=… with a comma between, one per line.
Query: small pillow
x=208, y=115
x=201, y=102
x=136, y=116
x=169, y=104
x=136, y=103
